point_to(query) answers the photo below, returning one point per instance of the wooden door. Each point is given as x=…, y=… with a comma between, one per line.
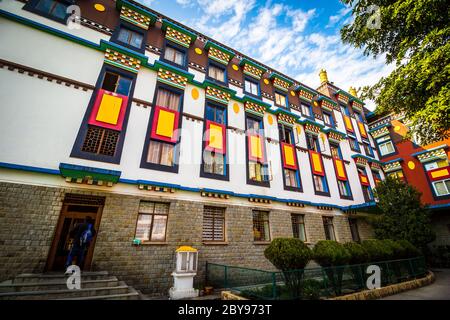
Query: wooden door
x=71, y=215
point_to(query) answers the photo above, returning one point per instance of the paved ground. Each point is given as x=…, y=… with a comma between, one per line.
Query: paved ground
x=439, y=290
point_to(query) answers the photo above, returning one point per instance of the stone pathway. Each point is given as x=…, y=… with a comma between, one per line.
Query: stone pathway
x=439, y=290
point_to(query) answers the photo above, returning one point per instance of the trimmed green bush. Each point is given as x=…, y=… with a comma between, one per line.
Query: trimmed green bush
x=288, y=254
x=358, y=253
x=408, y=249
x=332, y=256
x=330, y=253
x=377, y=250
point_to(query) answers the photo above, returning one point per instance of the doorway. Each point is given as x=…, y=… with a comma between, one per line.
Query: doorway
x=76, y=209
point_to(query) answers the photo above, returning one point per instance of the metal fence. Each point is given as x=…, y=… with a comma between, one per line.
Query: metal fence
x=309, y=283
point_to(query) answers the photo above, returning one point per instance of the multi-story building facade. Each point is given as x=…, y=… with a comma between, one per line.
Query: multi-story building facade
x=165, y=138
x=424, y=166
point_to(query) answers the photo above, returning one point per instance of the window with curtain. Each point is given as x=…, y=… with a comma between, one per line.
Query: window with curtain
x=251, y=87
x=159, y=152
x=174, y=55
x=344, y=188
x=280, y=100
x=51, y=9
x=354, y=229
x=385, y=145
x=320, y=183
x=152, y=221
x=329, y=228
x=130, y=37
x=216, y=72
x=328, y=119
x=306, y=110
x=298, y=226
x=335, y=151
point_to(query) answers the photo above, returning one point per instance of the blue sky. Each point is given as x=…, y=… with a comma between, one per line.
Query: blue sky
x=297, y=38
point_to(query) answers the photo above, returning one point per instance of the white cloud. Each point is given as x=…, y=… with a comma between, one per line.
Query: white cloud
x=333, y=20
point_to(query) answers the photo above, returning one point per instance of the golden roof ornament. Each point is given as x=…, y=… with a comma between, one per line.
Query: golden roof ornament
x=353, y=92
x=323, y=76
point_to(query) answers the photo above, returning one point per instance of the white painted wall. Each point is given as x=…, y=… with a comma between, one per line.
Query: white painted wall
x=43, y=51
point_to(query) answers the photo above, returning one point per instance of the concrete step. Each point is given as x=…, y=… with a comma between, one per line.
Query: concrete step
x=131, y=295
x=58, y=277
x=53, y=285
x=119, y=289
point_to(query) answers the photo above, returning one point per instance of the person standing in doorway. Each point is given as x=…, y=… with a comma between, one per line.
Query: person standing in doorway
x=82, y=235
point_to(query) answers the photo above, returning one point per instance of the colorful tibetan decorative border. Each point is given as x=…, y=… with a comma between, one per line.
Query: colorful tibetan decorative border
x=343, y=96
x=437, y=153
x=280, y=82
x=254, y=106
x=286, y=119
x=312, y=127
x=218, y=53
x=178, y=34
x=217, y=95
x=252, y=69
x=123, y=61
x=393, y=165
x=360, y=160
x=379, y=132
x=327, y=104
x=135, y=15
x=305, y=93
x=172, y=79
x=89, y=175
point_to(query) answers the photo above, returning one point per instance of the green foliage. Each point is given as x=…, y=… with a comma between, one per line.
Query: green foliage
x=403, y=217
x=329, y=253
x=358, y=253
x=414, y=34
x=377, y=250
x=311, y=289
x=408, y=250
x=288, y=254
x=333, y=256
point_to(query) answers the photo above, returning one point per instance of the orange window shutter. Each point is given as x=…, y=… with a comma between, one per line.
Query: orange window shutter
x=348, y=123
x=362, y=129
x=166, y=123
x=316, y=162
x=340, y=169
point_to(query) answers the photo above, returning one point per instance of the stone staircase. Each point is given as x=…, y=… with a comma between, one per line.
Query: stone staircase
x=52, y=286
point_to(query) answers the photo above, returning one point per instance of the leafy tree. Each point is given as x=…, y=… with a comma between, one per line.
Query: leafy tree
x=415, y=35
x=403, y=217
x=290, y=255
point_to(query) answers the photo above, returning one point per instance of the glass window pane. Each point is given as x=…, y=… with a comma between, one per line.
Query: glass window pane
x=159, y=228
x=168, y=99
x=110, y=81
x=60, y=11
x=167, y=154
x=136, y=40
x=143, y=227
x=440, y=188
x=124, y=86
x=154, y=151
x=124, y=35
x=45, y=5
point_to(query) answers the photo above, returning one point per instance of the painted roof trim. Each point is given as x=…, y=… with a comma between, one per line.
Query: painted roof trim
x=159, y=64
x=286, y=112
x=321, y=97
x=253, y=64
x=443, y=146
x=392, y=161
x=370, y=159
x=117, y=47
x=279, y=76
x=166, y=23
x=208, y=83
x=210, y=44
x=120, y=3
x=307, y=89
x=256, y=101
x=380, y=127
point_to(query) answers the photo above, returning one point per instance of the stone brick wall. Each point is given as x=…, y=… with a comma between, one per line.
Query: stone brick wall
x=29, y=214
